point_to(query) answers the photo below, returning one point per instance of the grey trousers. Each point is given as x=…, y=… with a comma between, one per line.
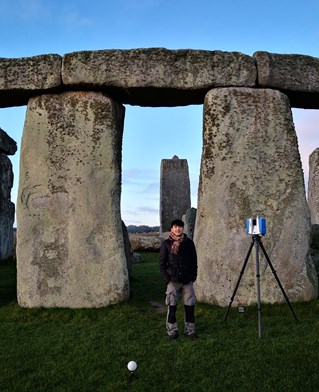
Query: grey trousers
x=173, y=291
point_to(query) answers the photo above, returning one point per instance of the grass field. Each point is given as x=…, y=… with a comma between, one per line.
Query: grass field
x=88, y=349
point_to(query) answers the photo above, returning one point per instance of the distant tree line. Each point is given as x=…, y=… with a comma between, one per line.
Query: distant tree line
x=142, y=229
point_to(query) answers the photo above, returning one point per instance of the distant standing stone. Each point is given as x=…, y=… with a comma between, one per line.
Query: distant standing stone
x=313, y=186
x=7, y=147
x=175, y=197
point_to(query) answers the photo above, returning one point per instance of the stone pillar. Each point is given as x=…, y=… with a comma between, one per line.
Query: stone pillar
x=313, y=186
x=6, y=207
x=70, y=250
x=189, y=219
x=7, y=147
x=251, y=166
x=175, y=197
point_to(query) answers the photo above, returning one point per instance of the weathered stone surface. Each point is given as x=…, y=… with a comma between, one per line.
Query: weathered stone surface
x=313, y=186
x=6, y=208
x=294, y=74
x=189, y=220
x=314, y=246
x=175, y=197
x=157, y=76
x=251, y=166
x=70, y=249
x=7, y=145
x=22, y=78
x=128, y=250
x=144, y=242
x=70, y=182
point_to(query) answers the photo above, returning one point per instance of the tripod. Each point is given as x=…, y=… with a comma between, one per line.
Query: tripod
x=256, y=240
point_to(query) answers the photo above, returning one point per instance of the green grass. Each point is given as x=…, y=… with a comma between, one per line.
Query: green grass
x=88, y=349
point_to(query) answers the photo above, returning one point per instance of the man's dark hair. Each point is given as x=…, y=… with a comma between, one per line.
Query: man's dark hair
x=177, y=222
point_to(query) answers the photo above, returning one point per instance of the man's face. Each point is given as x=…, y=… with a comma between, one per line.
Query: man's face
x=177, y=230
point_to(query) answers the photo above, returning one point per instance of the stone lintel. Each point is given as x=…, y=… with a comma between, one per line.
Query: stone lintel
x=293, y=74
x=22, y=78
x=157, y=76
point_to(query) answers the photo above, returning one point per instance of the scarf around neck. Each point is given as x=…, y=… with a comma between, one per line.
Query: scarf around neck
x=177, y=240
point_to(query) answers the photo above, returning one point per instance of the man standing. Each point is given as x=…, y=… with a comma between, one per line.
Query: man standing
x=178, y=266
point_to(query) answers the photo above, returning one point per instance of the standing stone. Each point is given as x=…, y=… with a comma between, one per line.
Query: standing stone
x=6, y=208
x=175, y=197
x=313, y=186
x=189, y=219
x=128, y=251
x=251, y=166
x=70, y=250
x=7, y=147
x=314, y=246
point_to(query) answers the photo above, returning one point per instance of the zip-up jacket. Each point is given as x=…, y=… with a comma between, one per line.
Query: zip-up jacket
x=180, y=268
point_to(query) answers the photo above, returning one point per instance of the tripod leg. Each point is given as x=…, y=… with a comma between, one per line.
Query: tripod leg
x=258, y=288
x=239, y=279
x=277, y=279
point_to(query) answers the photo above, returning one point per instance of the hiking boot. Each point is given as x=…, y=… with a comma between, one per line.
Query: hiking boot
x=173, y=336
x=191, y=336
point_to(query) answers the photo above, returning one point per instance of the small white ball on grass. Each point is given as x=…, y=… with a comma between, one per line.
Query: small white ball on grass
x=132, y=366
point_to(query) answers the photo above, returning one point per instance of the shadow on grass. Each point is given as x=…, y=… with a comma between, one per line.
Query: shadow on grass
x=8, y=282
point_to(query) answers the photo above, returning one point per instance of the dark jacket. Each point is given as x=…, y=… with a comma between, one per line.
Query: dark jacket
x=180, y=268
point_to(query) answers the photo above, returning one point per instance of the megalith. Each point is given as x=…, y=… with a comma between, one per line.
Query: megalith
x=251, y=166
x=157, y=76
x=70, y=248
x=7, y=147
x=6, y=207
x=189, y=219
x=175, y=197
x=313, y=186
x=26, y=77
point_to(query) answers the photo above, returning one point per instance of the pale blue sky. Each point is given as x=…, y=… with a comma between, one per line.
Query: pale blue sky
x=33, y=27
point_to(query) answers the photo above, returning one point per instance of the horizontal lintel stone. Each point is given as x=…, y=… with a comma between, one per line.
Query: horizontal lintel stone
x=295, y=75
x=24, y=77
x=157, y=76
